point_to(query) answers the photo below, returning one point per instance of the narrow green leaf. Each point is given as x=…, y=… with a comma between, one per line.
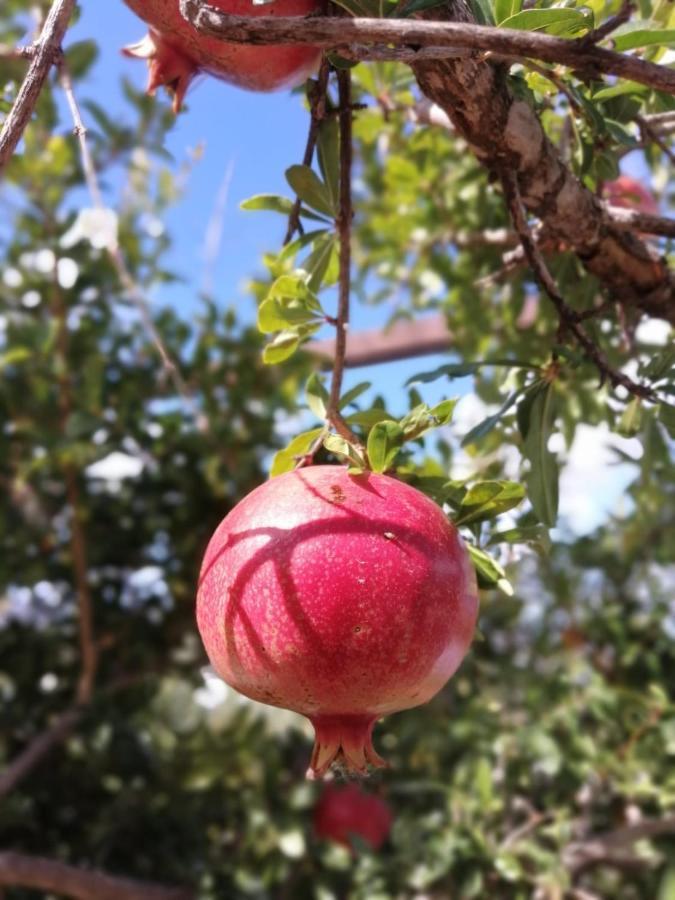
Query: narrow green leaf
x=284, y=345
x=488, y=570
x=14, y=356
x=444, y=411
x=630, y=422
x=310, y=189
x=485, y=427
x=561, y=21
x=316, y=396
x=336, y=444
x=384, y=442
x=318, y=263
x=505, y=9
x=328, y=154
x=268, y=202
x=482, y=11
x=368, y=417
x=488, y=499
x=535, y=536
x=462, y=370
x=667, y=417
x=292, y=249
x=286, y=459
x=643, y=37
x=354, y=393
x=543, y=477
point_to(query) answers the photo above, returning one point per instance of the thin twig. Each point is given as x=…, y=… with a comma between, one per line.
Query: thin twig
x=17, y=53
x=47, y=52
x=338, y=33
x=568, y=316
x=38, y=748
x=54, y=877
x=650, y=134
x=344, y=227
x=317, y=111
x=604, y=30
x=133, y=291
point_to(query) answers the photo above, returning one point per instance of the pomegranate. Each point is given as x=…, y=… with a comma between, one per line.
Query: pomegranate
x=343, y=812
x=175, y=52
x=629, y=193
x=342, y=597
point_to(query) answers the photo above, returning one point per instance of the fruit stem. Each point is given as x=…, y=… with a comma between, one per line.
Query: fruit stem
x=344, y=228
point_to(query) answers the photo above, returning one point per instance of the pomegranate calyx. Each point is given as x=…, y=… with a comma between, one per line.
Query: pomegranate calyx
x=344, y=741
x=167, y=66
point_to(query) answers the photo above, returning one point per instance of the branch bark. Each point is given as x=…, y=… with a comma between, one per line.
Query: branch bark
x=337, y=32
x=40, y=873
x=46, y=52
x=39, y=747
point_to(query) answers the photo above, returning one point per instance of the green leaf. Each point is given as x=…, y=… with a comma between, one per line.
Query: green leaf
x=489, y=572
x=337, y=444
x=485, y=427
x=286, y=459
x=488, y=499
x=328, y=154
x=482, y=11
x=660, y=366
x=542, y=480
x=318, y=263
x=14, y=356
x=310, y=189
x=561, y=21
x=384, y=442
x=268, y=202
x=354, y=393
x=368, y=417
x=416, y=6
x=535, y=536
x=667, y=417
x=643, y=37
x=317, y=396
x=284, y=345
x=462, y=370
x=291, y=250
x=289, y=302
x=505, y=9
x=444, y=411
x=631, y=420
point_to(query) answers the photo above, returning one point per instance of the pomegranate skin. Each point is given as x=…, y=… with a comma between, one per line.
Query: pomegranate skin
x=347, y=811
x=176, y=52
x=342, y=597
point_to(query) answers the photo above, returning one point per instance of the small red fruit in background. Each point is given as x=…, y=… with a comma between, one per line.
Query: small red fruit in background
x=629, y=193
x=345, y=812
x=176, y=52
x=341, y=597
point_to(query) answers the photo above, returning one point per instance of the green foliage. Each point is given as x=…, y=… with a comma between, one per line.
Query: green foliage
x=559, y=727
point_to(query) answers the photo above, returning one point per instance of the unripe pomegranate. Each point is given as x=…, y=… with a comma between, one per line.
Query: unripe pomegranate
x=176, y=52
x=629, y=193
x=347, y=811
x=342, y=597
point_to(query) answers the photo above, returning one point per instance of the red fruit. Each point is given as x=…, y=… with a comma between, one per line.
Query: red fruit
x=630, y=193
x=176, y=52
x=345, y=812
x=342, y=597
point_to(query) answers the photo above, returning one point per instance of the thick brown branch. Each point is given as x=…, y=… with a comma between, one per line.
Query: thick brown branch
x=51, y=876
x=335, y=33
x=47, y=52
x=506, y=135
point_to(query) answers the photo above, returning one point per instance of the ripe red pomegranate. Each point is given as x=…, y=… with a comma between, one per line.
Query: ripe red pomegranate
x=342, y=597
x=176, y=52
x=629, y=193
x=347, y=811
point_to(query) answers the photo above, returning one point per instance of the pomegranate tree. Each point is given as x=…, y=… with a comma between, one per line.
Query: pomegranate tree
x=342, y=597
x=176, y=52
x=345, y=812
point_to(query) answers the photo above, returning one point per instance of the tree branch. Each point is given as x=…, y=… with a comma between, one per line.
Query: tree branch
x=47, y=51
x=610, y=849
x=344, y=228
x=337, y=32
x=38, y=748
x=51, y=876
x=568, y=316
